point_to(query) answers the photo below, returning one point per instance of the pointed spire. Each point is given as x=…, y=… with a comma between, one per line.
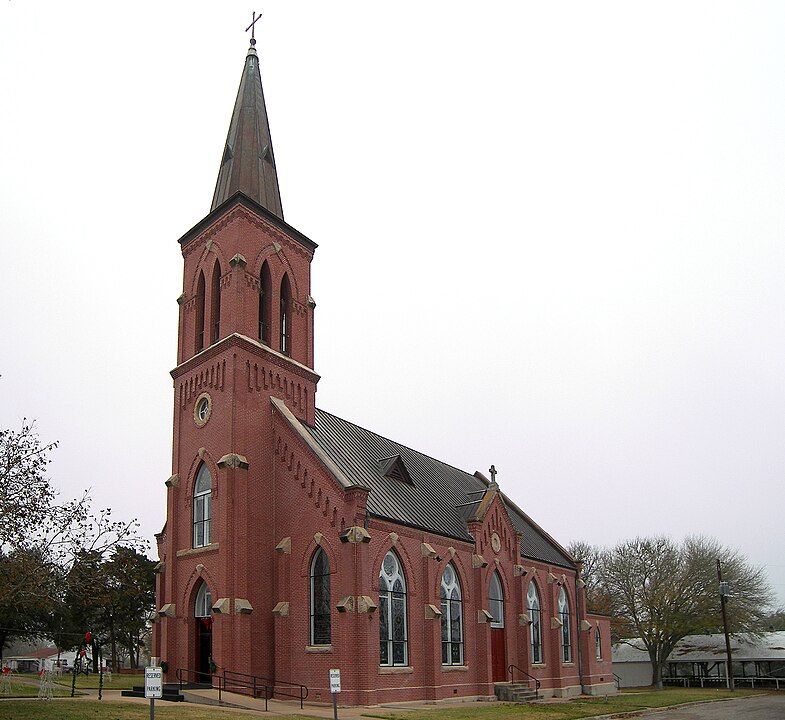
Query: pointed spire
x=248, y=163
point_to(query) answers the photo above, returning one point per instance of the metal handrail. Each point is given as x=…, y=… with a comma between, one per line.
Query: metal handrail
x=270, y=686
x=510, y=670
x=617, y=680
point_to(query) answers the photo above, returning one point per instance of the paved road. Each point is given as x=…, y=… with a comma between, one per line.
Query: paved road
x=768, y=707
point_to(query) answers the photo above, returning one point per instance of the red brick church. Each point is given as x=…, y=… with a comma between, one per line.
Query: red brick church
x=296, y=541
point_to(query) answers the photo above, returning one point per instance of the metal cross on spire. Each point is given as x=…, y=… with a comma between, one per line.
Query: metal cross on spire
x=251, y=27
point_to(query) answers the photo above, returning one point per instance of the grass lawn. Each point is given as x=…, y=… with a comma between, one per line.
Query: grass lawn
x=94, y=710
x=579, y=708
x=24, y=690
x=90, y=682
x=574, y=710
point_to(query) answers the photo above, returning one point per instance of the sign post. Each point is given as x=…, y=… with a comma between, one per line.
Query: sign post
x=153, y=686
x=335, y=688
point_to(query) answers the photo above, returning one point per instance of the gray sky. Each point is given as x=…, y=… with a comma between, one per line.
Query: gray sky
x=551, y=239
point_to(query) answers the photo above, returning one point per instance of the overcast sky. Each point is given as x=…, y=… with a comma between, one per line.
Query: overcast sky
x=550, y=238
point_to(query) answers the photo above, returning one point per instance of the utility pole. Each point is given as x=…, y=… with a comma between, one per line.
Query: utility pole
x=723, y=601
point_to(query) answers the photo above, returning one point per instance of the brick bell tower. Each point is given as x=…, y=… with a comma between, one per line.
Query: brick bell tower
x=245, y=336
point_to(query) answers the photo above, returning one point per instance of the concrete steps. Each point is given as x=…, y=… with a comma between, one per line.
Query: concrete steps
x=514, y=692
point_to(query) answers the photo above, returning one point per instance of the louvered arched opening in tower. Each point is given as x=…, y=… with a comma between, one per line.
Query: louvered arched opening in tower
x=265, y=303
x=286, y=316
x=199, y=321
x=215, y=304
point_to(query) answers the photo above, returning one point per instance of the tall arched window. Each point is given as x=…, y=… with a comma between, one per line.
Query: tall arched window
x=496, y=600
x=199, y=321
x=203, y=506
x=215, y=306
x=286, y=319
x=452, y=618
x=320, y=598
x=393, y=637
x=597, y=642
x=265, y=303
x=566, y=633
x=535, y=618
x=203, y=607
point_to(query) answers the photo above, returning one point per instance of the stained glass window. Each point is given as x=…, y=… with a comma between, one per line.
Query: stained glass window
x=496, y=600
x=452, y=618
x=597, y=642
x=203, y=506
x=203, y=607
x=566, y=633
x=535, y=617
x=393, y=633
x=320, y=598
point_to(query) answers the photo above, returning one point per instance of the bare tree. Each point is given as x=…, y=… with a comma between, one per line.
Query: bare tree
x=661, y=591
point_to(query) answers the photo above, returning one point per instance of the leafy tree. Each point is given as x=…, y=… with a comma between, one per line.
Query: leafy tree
x=41, y=537
x=774, y=621
x=660, y=591
x=112, y=598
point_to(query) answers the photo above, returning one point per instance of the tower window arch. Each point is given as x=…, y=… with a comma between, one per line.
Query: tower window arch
x=534, y=609
x=320, y=598
x=393, y=634
x=215, y=306
x=452, y=617
x=203, y=606
x=566, y=632
x=203, y=507
x=265, y=303
x=286, y=317
x=496, y=600
x=199, y=319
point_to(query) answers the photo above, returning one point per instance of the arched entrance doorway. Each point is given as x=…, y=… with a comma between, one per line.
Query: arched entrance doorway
x=203, y=607
x=498, y=651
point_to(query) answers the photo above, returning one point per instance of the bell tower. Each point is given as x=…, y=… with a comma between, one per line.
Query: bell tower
x=245, y=336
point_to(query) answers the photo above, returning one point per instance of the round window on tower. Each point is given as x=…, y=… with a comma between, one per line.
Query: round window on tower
x=202, y=409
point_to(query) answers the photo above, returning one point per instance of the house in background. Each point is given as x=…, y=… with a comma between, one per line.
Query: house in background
x=700, y=660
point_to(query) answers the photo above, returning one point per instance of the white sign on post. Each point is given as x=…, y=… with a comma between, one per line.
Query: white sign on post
x=153, y=682
x=335, y=681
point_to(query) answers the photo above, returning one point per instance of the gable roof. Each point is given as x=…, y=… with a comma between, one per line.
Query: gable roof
x=440, y=497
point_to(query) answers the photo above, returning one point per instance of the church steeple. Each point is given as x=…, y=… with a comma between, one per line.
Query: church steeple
x=248, y=163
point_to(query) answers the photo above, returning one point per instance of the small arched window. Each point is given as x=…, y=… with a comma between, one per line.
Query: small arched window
x=286, y=319
x=320, y=598
x=265, y=303
x=203, y=607
x=215, y=307
x=566, y=632
x=199, y=320
x=496, y=600
x=203, y=506
x=452, y=618
x=535, y=618
x=393, y=637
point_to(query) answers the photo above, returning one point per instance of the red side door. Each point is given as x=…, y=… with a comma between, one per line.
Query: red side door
x=498, y=657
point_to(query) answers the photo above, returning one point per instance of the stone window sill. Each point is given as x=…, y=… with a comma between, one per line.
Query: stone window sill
x=396, y=670
x=319, y=649
x=197, y=551
x=455, y=668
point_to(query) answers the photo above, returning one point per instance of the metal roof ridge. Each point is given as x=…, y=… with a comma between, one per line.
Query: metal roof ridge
x=395, y=442
x=314, y=446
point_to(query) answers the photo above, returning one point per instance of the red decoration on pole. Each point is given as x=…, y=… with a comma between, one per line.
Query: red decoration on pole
x=88, y=636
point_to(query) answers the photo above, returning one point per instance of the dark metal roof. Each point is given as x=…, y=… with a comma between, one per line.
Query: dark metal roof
x=248, y=163
x=440, y=497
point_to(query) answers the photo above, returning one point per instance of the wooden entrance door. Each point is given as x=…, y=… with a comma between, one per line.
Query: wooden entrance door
x=498, y=656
